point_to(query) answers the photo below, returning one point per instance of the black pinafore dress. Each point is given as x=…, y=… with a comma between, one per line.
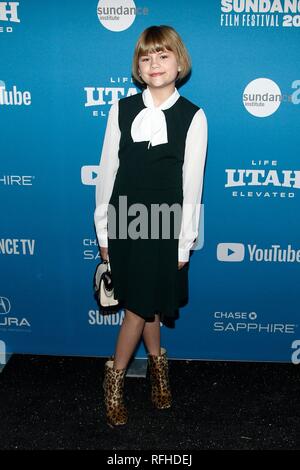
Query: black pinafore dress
x=145, y=271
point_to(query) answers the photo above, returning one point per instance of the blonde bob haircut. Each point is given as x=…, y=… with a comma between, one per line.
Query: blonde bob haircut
x=157, y=39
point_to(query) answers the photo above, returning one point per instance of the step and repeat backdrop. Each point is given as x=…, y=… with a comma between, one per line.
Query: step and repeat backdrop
x=63, y=63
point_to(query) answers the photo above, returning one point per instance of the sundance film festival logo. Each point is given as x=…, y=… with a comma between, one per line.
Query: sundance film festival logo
x=9, y=14
x=263, y=180
x=118, y=15
x=260, y=13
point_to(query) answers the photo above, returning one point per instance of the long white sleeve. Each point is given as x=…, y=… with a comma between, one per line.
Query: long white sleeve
x=108, y=166
x=192, y=174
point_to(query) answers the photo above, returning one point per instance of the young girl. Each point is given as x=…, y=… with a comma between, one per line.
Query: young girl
x=153, y=156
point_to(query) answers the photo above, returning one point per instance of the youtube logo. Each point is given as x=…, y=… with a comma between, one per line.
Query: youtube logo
x=89, y=174
x=230, y=252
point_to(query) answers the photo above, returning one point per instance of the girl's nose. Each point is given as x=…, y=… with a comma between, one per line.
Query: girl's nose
x=154, y=63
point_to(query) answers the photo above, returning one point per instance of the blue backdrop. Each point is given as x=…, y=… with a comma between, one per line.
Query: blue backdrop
x=62, y=65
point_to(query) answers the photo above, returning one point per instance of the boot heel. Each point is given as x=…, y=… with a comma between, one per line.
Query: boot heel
x=161, y=395
x=113, y=384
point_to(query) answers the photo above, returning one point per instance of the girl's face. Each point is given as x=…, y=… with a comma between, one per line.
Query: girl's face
x=158, y=69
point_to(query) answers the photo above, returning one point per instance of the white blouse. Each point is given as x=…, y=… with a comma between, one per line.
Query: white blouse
x=150, y=125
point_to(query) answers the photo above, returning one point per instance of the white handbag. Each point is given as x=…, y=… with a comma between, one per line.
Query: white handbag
x=104, y=288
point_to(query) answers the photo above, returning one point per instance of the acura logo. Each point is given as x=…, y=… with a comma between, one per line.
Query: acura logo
x=4, y=306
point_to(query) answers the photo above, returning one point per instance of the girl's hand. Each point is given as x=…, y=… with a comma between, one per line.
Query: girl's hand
x=104, y=253
x=181, y=264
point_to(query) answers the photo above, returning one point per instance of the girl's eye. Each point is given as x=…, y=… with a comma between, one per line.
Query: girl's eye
x=162, y=56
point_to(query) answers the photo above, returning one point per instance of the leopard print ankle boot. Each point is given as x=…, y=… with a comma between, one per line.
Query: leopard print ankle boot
x=113, y=384
x=160, y=388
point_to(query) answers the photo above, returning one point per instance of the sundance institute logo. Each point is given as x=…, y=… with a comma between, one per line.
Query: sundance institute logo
x=262, y=97
x=118, y=15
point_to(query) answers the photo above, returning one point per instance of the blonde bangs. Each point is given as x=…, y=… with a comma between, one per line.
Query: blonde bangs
x=158, y=39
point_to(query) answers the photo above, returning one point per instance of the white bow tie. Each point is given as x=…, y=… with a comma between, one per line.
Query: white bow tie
x=150, y=123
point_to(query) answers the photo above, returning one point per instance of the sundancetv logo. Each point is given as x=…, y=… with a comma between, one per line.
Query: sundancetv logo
x=238, y=252
x=260, y=13
x=118, y=15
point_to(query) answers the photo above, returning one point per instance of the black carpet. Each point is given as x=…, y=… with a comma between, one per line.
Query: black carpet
x=50, y=402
